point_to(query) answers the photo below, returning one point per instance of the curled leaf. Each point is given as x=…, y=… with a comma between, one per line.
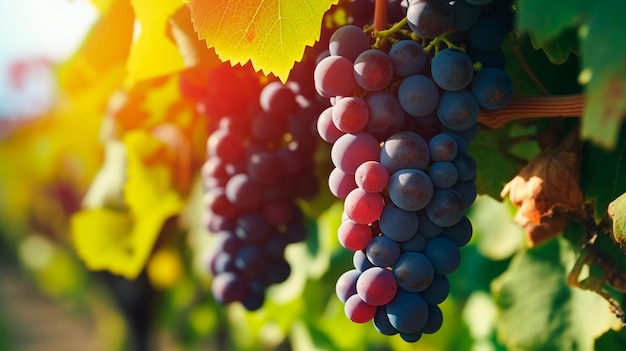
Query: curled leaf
x=546, y=188
x=617, y=214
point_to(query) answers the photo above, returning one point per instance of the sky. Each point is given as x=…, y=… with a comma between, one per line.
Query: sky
x=49, y=29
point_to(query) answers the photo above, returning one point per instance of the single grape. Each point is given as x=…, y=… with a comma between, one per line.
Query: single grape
x=358, y=310
x=376, y=286
x=350, y=114
x=444, y=254
x=429, y=18
x=373, y=70
x=442, y=147
x=386, y=114
x=464, y=15
x=354, y=236
x=414, y=272
x=492, y=87
x=348, y=41
x=458, y=110
x=435, y=319
x=351, y=150
x=408, y=58
x=346, y=285
x=466, y=167
x=333, y=76
x=360, y=261
x=418, y=95
x=326, y=128
x=398, y=224
x=438, y=290
x=362, y=207
x=460, y=233
x=404, y=150
x=381, y=322
x=452, y=69
x=443, y=174
x=340, y=183
x=407, y=312
x=410, y=189
x=446, y=207
x=371, y=176
x=382, y=251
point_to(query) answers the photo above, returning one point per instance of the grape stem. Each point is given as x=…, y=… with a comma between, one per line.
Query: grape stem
x=533, y=107
x=380, y=15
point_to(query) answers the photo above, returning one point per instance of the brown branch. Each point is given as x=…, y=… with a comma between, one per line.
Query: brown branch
x=533, y=107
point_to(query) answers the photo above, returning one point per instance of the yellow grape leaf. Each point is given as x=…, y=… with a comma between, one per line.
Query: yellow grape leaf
x=153, y=54
x=122, y=241
x=272, y=34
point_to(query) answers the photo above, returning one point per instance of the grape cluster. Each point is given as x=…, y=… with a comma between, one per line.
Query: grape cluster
x=259, y=162
x=400, y=125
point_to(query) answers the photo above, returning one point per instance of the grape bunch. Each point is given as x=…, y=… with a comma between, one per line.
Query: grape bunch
x=259, y=163
x=399, y=125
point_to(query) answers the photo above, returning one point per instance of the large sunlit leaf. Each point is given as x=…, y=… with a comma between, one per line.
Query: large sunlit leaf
x=271, y=33
x=123, y=240
x=153, y=54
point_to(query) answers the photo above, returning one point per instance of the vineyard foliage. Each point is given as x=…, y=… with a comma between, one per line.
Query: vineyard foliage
x=109, y=183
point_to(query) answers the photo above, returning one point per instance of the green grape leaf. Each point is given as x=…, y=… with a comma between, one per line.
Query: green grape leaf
x=537, y=309
x=545, y=19
x=559, y=48
x=603, y=62
x=603, y=174
x=495, y=167
x=617, y=213
x=272, y=34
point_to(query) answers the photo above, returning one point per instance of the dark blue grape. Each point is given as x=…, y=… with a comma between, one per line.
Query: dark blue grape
x=466, y=166
x=418, y=95
x=346, y=284
x=458, y=110
x=460, y=233
x=429, y=18
x=435, y=320
x=382, y=251
x=452, y=69
x=408, y=58
x=414, y=272
x=443, y=174
x=446, y=207
x=398, y=224
x=438, y=290
x=442, y=147
x=444, y=254
x=492, y=88
x=404, y=150
x=407, y=312
x=410, y=189
x=360, y=261
x=381, y=322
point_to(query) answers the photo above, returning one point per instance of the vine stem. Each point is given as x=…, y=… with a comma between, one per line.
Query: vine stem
x=534, y=107
x=380, y=15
